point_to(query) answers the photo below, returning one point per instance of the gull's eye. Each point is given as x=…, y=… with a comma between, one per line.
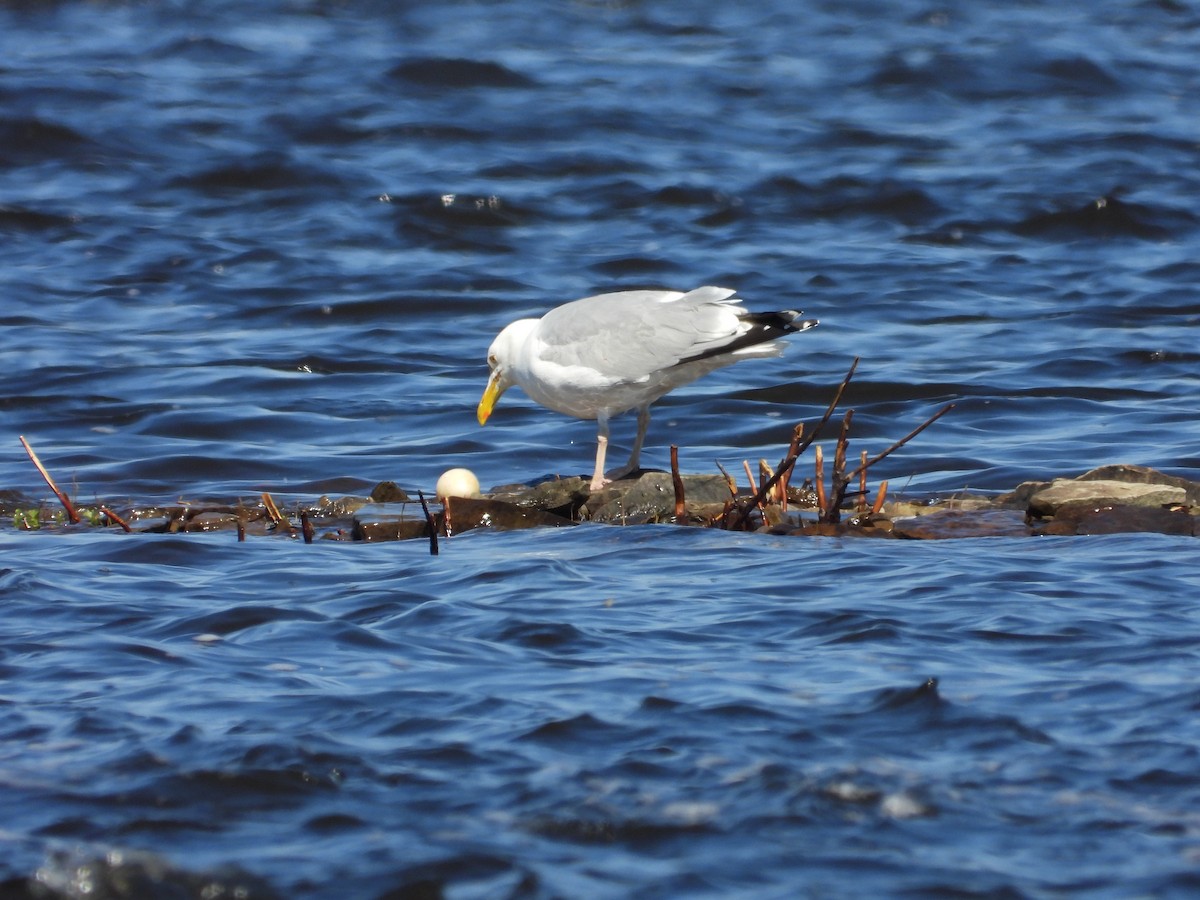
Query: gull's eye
x=491, y=360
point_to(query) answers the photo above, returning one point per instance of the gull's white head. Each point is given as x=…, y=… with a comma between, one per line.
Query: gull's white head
x=502, y=357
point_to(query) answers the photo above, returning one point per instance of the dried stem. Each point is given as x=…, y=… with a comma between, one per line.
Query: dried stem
x=72, y=514
x=433, y=541
x=112, y=515
x=273, y=512
x=877, y=506
x=677, y=483
x=786, y=477
x=786, y=465
x=904, y=440
x=862, y=484
x=819, y=480
x=839, y=481
x=729, y=480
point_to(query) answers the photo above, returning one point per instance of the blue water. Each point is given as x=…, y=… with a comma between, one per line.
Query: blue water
x=249, y=249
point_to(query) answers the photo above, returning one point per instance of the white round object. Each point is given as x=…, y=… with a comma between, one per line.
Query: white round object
x=457, y=483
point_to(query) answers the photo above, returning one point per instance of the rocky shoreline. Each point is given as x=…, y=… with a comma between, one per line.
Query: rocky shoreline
x=1108, y=500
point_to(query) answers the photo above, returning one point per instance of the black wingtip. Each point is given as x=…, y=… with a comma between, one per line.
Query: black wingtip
x=785, y=321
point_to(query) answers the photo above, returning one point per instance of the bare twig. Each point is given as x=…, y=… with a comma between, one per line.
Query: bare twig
x=433, y=541
x=729, y=480
x=819, y=480
x=72, y=514
x=904, y=440
x=839, y=481
x=273, y=512
x=786, y=477
x=877, y=506
x=677, y=483
x=112, y=515
x=862, y=484
x=786, y=465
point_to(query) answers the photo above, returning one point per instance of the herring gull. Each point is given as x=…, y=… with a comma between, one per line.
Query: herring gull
x=600, y=356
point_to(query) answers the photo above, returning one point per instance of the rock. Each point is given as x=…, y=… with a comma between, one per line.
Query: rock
x=651, y=498
x=389, y=492
x=953, y=523
x=389, y=522
x=1132, y=474
x=561, y=496
x=398, y=522
x=1018, y=497
x=1121, y=474
x=1045, y=503
x=340, y=508
x=211, y=520
x=466, y=513
x=1086, y=518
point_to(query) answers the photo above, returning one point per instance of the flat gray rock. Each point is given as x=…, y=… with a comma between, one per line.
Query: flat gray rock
x=1103, y=493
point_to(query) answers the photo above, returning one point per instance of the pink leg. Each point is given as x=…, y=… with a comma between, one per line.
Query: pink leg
x=598, y=479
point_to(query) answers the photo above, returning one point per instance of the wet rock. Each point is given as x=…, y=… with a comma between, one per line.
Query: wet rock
x=1086, y=518
x=343, y=506
x=651, y=498
x=389, y=492
x=465, y=514
x=405, y=521
x=388, y=522
x=1018, y=497
x=561, y=496
x=1045, y=503
x=955, y=523
x=821, y=529
x=211, y=520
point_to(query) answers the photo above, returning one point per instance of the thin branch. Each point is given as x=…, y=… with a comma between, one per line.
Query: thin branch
x=904, y=440
x=433, y=541
x=819, y=480
x=730, y=482
x=272, y=510
x=880, y=497
x=677, y=483
x=112, y=515
x=62, y=498
x=786, y=465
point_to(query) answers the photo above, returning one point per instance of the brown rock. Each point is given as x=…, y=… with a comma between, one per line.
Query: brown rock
x=953, y=523
x=388, y=492
x=467, y=513
x=1084, y=518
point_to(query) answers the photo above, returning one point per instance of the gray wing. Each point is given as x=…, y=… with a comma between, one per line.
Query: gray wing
x=630, y=335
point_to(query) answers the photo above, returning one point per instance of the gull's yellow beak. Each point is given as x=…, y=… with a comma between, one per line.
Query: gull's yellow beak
x=490, y=395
